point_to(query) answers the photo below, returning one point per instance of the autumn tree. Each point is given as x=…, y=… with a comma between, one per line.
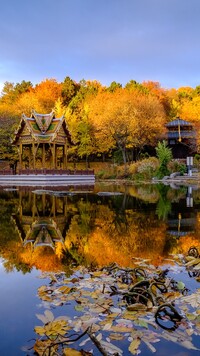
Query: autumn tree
x=8, y=93
x=47, y=93
x=86, y=141
x=8, y=123
x=82, y=133
x=113, y=86
x=126, y=119
x=134, y=85
x=69, y=90
x=23, y=87
x=155, y=89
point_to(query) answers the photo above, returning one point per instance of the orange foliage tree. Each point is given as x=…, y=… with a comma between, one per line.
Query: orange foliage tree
x=126, y=119
x=47, y=93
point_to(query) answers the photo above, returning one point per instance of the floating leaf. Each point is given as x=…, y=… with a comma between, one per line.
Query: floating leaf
x=197, y=267
x=142, y=323
x=97, y=274
x=151, y=347
x=115, y=310
x=191, y=316
x=71, y=352
x=116, y=336
x=107, y=326
x=49, y=315
x=40, y=330
x=43, y=318
x=193, y=262
x=189, y=345
x=65, y=289
x=41, y=346
x=136, y=307
x=84, y=342
x=79, y=308
x=134, y=345
x=111, y=348
x=121, y=329
x=180, y=285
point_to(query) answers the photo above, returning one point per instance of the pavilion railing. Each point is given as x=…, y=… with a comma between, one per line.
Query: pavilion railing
x=47, y=171
x=6, y=172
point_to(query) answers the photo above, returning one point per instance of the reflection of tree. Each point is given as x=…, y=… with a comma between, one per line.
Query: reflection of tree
x=82, y=223
x=95, y=230
x=147, y=193
x=144, y=238
x=120, y=221
x=164, y=205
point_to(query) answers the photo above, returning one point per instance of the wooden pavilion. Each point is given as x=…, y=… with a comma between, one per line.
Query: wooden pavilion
x=42, y=141
x=181, y=138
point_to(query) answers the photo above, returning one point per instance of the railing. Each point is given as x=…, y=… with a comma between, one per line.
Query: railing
x=6, y=172
x=47, y=171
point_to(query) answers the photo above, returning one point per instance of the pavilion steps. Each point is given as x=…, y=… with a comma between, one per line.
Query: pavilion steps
x=46, y=179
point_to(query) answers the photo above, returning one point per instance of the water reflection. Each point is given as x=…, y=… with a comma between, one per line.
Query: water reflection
x=52, y=230
x=41, y=220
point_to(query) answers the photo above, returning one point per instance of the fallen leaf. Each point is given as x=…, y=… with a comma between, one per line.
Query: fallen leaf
x=134, y=345
x=71, y=352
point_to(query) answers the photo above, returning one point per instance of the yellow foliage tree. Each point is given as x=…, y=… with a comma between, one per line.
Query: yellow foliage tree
x=125, y=119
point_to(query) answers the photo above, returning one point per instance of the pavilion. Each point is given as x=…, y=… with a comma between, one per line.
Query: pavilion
x=181, y=138
x=43, y=141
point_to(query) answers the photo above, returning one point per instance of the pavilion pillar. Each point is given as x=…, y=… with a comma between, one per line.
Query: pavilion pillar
x=20, y=155
x=52, y=148
x=34, y=151
x=29, y=157
x=65, y=156
x=55, y=156
x=43, y=155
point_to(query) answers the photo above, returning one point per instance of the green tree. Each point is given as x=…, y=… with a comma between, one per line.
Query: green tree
x=164, y=155
x=23, y=87
x=69, y=90
x=113, y=86
x=133, y=85
x=8, y=93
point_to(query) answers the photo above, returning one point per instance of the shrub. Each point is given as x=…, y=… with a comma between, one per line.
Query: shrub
x=176, y=166
x=144, y=169
x=197, y=159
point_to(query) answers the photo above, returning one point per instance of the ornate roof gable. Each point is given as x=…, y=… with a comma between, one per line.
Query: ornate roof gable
x=43, y=120
x=42, y=128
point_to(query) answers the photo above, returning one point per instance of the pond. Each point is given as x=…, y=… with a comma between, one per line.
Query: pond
x=46, y=235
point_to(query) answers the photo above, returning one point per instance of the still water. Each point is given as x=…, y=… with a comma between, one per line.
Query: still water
x=43, y=231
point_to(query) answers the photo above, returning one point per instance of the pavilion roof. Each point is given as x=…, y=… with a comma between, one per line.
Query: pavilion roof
x=42, y=232
x=42, y=127
x=178, y=122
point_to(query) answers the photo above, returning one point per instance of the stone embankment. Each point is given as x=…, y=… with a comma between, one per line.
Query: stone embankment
x=176, y=179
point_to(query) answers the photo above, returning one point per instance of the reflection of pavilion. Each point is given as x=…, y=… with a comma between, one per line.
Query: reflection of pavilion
x=43, y=232
x=41, y=219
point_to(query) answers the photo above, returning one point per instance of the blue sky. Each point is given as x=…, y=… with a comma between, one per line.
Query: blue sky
x=105, y=40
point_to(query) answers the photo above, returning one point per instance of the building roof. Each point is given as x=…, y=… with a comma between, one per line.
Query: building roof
x=42, y=127
x=178, y=122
